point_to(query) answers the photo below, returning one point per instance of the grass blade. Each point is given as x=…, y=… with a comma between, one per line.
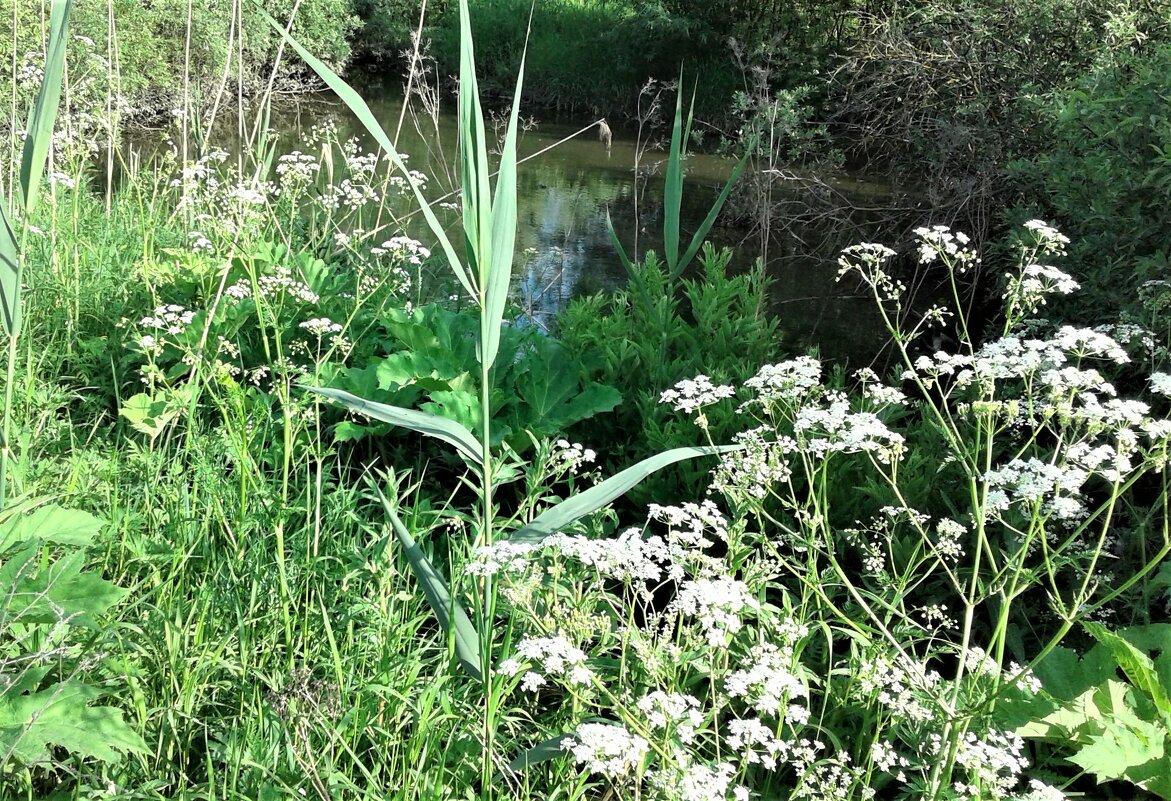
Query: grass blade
x=9, y=275
x=431, y=425
x=362, y=111
x=503, y=231
x=452, y=617
x=572, y=509
x=44, y=113
x=631, y=272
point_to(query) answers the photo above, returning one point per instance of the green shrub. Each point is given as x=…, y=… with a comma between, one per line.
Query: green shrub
x=1106, y=174
x=715, y=324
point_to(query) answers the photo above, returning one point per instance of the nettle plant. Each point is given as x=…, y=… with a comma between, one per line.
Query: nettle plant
x=777, y=650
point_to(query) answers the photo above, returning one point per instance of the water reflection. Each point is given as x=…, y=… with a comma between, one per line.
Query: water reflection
x=563, y=242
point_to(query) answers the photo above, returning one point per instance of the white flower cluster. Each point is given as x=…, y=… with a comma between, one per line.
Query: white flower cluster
x=1049, y=238
x=556, y=656
x=405, y=248
x=938, y=242
x=900, y=685
x=768, y=685
x=789, y=381
x=761, y=462
x=696, y=782
x=672, y=711
x=571, y=455
x=172, y=318
x=320, y=326
x=719, y=605
x=280, y=284
x=693, y=394
x=994, y=763
x=296, y=170
x=1034, y=483
x=1029, y=290
x=611, y=751
x=868, y=261
x=834, y=428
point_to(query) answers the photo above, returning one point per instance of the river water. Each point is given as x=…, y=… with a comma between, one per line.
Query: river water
x=563, y=242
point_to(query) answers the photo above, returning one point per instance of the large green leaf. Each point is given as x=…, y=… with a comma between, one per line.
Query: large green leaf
x=1137, y=666
x=44, y=113
x=424, y=423
x=572, y=509
x=364, y=115
x=55, y=593
x=451, y=615
x=49, y=524
x=60, y=716
x=1065, y=677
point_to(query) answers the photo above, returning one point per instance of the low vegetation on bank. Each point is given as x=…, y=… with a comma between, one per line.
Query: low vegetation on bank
x=295, y=505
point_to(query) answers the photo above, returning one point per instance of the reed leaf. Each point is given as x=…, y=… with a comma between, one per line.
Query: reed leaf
x=451, y=615
x=44, y=114
x=473, y=154
x=710, y=220
x=673, y=184
x=631, y=273
x=503, y=233
x=570, y=510
x=362, y=111
x=425, y=423
x=9, y=275
x=541, y=752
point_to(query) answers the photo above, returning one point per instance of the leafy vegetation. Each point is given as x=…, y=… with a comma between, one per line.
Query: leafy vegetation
x=296, y=504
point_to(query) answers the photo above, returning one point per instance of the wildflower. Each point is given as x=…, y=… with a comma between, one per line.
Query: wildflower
x=1047, y=236
x=609, y=750
x=718, y=604
x=501, y=557
x=692, y=394
x=672, y=710
x=571, y=456
x=766, y=683
x=789, y=381
x=556, y=656
x=320, y=326
x=756, y=743
x=1161, y=383
x=939, y=241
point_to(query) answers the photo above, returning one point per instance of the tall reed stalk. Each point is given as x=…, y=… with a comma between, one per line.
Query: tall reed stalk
x=485, y=272
x=37, y=145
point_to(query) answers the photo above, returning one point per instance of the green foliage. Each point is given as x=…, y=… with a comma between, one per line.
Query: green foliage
x=431, y=363
x=644, y=342
x=141, y=72
x=45, y=595
x=1106, y=173
x=1121, y=729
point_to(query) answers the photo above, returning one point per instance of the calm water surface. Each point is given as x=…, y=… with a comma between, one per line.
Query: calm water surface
x=563, y=244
